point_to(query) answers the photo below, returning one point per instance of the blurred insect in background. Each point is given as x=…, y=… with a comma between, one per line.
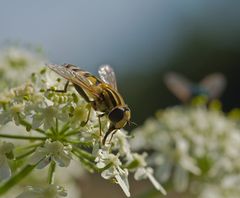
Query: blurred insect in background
x=101, y=93
x=211, y=86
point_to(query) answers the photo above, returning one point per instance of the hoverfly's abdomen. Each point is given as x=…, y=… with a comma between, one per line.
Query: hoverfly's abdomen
x=111, y=97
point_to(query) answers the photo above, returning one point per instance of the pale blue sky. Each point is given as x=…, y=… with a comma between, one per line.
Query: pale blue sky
x=123, y=33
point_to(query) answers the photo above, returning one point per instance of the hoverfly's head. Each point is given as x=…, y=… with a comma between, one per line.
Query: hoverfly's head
x=120, y=116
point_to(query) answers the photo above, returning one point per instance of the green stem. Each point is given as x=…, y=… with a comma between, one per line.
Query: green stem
x=19, y=148
x=77, y=143
x=51, y=172
x=53, y=131
x=25, y=154
x=16, y=178
x=75, y=132
x=64, y=128
x=72, y=141
x=84, y=154
x=29, y=126
x=22, y=137
x=105, y=167
x=90, y=166
x=57, y=126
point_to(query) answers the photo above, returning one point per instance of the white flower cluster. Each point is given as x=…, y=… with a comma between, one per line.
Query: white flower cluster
x=61, y=127
x=14, y=60
x=196, y=149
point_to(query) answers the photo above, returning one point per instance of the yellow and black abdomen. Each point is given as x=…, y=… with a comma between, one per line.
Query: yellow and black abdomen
x=111, y=98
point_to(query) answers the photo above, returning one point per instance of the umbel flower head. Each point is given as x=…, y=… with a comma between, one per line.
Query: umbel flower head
x=59, y=128
x=15, y=59
x=193, y=148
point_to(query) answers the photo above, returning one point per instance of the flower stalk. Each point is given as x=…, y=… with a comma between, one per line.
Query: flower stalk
x=22, y=137
x=25, y=171
x=51, y=172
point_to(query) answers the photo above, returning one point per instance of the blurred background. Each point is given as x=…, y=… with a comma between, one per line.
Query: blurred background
x=142, y=40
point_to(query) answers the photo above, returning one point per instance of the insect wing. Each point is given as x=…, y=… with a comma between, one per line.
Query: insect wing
x=179, y=86
x=62, y=71
x=214, y=84
x=107, y=75
x=74, y=75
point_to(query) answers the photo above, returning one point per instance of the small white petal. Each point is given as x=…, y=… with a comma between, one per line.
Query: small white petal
x=44, y=163
x=37, y=156
x=5, y=171
x=156, y=184
x=163, y=173
x=122, y=183
x=6, y=147
x=37, y=121
x=63, y=160
x=108, y=174
x=100, y=164
x=188, y=163
x=5, y=117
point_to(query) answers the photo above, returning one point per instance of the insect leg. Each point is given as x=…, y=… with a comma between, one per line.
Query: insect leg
x=100, y=124
x=86, y=98
x=113, y=132
x=110, y=130
x=88, y=116
x=64, y=90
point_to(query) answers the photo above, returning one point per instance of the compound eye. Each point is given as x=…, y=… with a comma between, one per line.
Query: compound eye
x=116, y=115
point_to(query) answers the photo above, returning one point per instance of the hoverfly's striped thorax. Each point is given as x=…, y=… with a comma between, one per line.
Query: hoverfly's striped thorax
x=101, y=92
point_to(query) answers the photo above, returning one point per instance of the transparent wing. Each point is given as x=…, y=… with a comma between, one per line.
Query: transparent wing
x=77, y=76
x=179, y=86
x=214, y=84
x=107, y=75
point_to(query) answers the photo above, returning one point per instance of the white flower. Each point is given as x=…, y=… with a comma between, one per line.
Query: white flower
x=57, y=129
x=80, y=114
x=114, y=171
x=189, y=145
x=14, y=60
x=13, y=113
x=51, y=191
x=55, y=151
x=143, y=172
x=14, y=103
x=5, y=149
x=121, y=143
x=46, y=116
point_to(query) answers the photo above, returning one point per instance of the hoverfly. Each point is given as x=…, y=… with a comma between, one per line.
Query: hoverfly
x=211, y=86
x=101, y=93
